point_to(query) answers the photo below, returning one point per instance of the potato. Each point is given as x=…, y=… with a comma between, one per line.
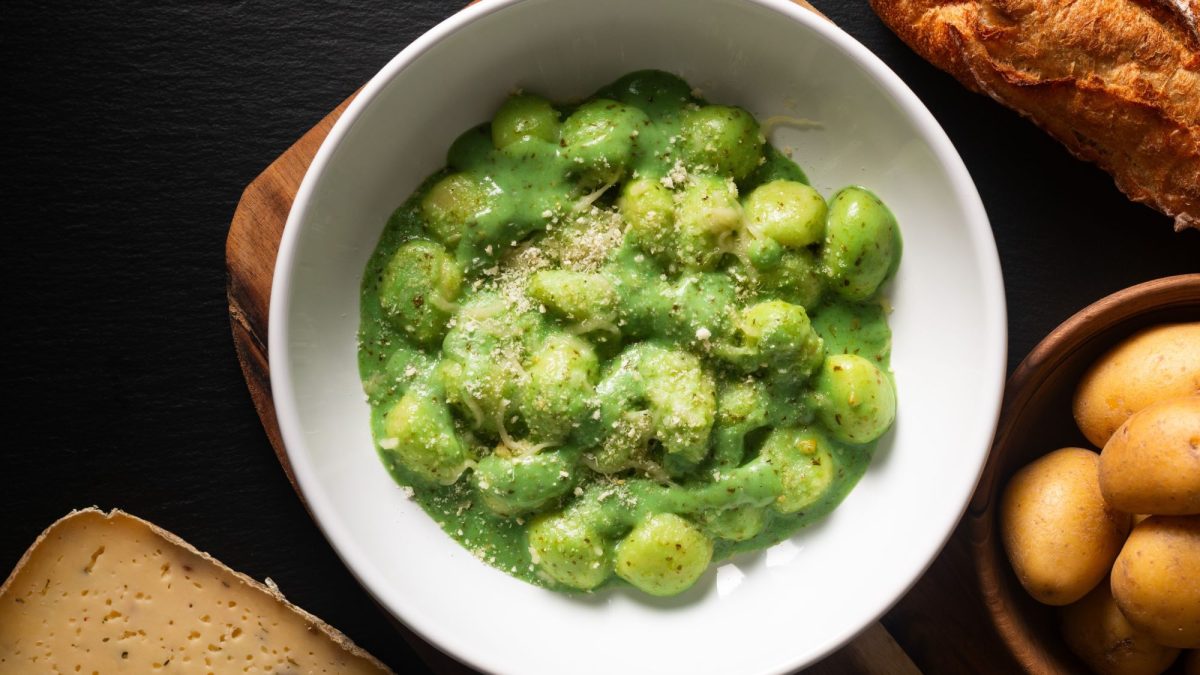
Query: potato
x=1103, y=638
x=1152, y=463
x=1152, y=365
x=1060, y=535
x=1156, y=579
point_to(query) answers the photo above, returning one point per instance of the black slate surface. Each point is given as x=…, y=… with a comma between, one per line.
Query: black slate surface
x=130, y=130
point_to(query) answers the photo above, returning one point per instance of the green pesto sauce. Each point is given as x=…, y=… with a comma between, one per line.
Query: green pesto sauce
x=466, y=340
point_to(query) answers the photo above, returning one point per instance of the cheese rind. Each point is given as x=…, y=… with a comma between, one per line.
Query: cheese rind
x=111, y=593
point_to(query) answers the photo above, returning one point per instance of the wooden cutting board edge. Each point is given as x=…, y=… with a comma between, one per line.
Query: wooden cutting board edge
x=250, y=251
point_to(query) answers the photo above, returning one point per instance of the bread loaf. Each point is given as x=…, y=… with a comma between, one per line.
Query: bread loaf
x=1116, y=81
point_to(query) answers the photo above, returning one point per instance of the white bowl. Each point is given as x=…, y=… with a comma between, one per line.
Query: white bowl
x=769, y=612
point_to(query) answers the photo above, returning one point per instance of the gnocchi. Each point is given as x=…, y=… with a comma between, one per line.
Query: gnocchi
x=614, y=341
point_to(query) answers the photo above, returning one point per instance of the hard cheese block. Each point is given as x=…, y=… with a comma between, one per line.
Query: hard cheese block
x=111, y=593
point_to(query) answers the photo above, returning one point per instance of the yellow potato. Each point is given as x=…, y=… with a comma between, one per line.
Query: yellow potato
x=1060, y=536
x=1152, y=365
x=1156, y=579
x=1152, y=463
x=1103, y=638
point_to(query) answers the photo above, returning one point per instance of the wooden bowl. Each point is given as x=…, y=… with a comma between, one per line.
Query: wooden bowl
x=1036, y=419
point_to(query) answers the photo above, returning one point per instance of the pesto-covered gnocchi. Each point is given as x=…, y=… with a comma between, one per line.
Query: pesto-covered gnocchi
x=616, y=340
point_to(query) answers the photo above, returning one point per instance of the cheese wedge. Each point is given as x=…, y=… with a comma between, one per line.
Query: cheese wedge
x=110, y=593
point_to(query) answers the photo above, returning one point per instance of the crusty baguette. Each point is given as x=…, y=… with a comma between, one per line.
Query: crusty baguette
x=108, y=592
x=1116, y=81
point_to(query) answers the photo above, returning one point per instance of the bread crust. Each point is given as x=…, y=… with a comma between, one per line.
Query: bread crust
x=1116, y=81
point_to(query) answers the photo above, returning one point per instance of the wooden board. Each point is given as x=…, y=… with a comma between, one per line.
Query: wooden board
x=940, y=626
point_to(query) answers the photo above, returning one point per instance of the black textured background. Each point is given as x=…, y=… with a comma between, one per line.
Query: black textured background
x=131, y=128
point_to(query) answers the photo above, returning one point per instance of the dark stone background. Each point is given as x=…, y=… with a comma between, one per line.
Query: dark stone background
x=131, y=129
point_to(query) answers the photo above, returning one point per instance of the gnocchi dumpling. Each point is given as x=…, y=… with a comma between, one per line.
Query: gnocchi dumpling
x=524, y=117
x=512, y=484
x=663, y=555
x=788, y=212
x=805, y=465
x=857, y=399
x=600, y=138
x=419, y=287
x=420, y=434
x=569, y=551
x=722, y=139
x=862, y=243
